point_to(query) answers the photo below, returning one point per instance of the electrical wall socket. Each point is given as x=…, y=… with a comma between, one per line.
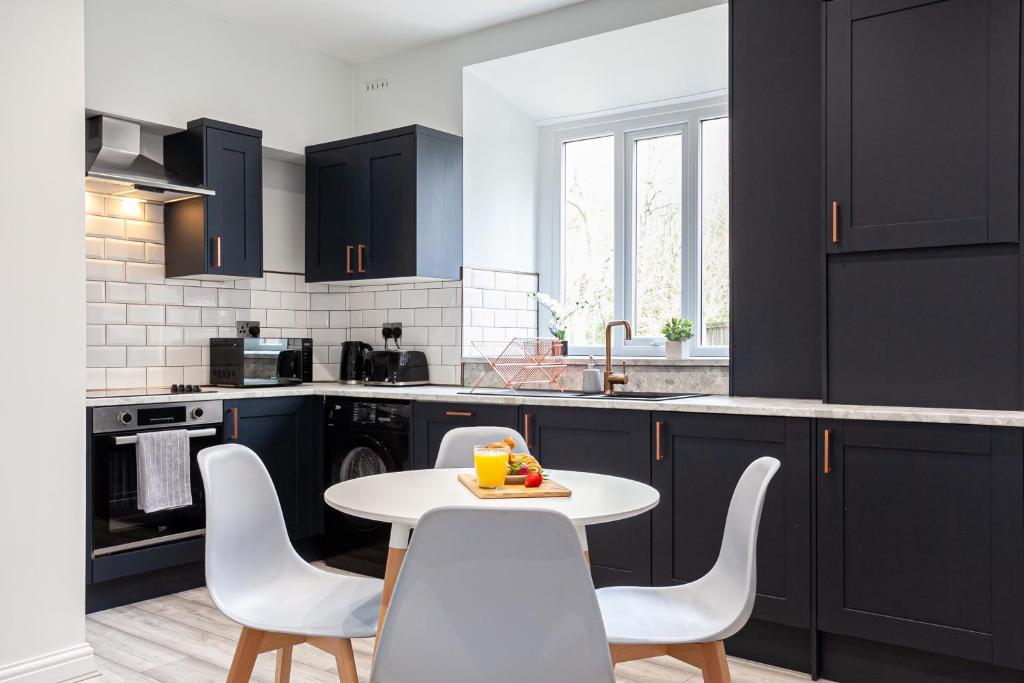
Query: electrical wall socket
x=247, y=328
x=391, y=331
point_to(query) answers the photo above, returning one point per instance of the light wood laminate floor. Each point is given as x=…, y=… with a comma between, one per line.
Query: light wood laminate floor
x=183, y=637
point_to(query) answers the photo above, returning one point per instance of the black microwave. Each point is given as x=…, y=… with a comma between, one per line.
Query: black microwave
x=249, y=362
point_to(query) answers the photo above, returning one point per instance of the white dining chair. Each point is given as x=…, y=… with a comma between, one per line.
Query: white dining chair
x=456, y=449
x=257, y=579
x=501, y=596
x=689, y=622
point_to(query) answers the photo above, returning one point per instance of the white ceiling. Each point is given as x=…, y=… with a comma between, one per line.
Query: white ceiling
x=361, y=30
x=647, y=64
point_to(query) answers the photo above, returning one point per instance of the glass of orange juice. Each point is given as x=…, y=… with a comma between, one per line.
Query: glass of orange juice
x=491, y=463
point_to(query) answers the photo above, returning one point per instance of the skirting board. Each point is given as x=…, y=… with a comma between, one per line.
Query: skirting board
x=73, y=663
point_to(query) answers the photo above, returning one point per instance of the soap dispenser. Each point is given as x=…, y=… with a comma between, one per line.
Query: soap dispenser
x=592, y=379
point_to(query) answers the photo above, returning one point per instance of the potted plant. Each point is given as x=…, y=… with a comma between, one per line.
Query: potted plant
x=676, y=331
x=560, y=314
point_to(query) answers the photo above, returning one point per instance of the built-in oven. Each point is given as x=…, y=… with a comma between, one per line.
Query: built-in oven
x=117, y=524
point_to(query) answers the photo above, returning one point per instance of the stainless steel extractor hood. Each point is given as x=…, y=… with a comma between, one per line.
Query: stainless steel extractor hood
x=116, y=163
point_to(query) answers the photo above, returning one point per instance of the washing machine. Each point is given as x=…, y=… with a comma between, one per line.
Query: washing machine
x=362, y=438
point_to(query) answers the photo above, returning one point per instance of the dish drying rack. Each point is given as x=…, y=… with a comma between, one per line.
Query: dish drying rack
x=523, y=361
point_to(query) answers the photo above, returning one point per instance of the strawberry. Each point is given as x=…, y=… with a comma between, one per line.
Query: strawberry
x=533, y=479
x=523, y=469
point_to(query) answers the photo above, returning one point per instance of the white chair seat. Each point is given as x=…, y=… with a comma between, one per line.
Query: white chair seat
x=312, y=603
x=634, y=615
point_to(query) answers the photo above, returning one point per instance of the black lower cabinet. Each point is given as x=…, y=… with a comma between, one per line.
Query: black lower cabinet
x=431, y=421
x=284, y=433
x=615, y=442
x=698, y=461
x=920, y=543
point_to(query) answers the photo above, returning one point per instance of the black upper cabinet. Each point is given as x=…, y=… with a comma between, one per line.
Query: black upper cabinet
x=920, y=537
x=219, y=236
x=384, y=206
x=615, y=442
x=700, y=461
x=922, y=113
x=431, y=421
x=282, y=432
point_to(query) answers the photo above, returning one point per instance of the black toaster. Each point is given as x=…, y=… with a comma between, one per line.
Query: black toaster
x=397, y=369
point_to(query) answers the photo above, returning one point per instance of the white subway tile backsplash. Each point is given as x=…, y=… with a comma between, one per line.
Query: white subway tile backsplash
x=375, y=318
x=100, y=314
x=323, y=318
x=144, y=231
x=96, y=269
x=154, y=253
x=415, y=336
x=218, y=316
x=126, y=378
x=406, y=316
x=251, y=283
x=281, y=318
x=164, y=294
x=280, y=282
x=199, y=336
x=163, y=335
x=526, y=319
x=505, y=281
x=146, y=315
x=265, y=299
x=328, y=337
x=155, y=213
x=451, y=317
x=200, y=296
x=357, y=301
x=164, y=377
x=504, y=318
x=124, y=292
x=184, y=315
x=183, y=355
x=295, y=301
x=482, y=279
x=95, y=378
x=481, y=317
x=94, y=204
x=451, y=355
x=441, y=298
x=494, y=299
x=252, y=314
x=428, y=317
x=102, y=226
x=517, y=300
x=105, y=357
x=145, y=356
x=234, y=298
x=269, y=332
x=196, y=375
x=95, y=335
x=125, y=207
x=385, y=300
x=126, y=335
x=441, y=336
x=123, y=250
x=331, y=302
x=302, y=318
x=144, y=272
x=527, y=283
x=95, y=291
x=94, y=247
x=472, y=298
x=445, y=374
x=415, y=298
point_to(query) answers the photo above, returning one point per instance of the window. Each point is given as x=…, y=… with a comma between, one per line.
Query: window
x=635, y=211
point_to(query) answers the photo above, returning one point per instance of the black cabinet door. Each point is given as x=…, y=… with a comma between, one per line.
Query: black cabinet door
x=234, y=217
x=920, y=537
x=701, y=460
x=615, y=442
x=388, y=248
x=335, y=213
x=281, y=432
x=431, y=421
x=922, y=113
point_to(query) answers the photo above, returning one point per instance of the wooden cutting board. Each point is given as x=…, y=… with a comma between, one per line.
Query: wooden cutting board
x=547, y=489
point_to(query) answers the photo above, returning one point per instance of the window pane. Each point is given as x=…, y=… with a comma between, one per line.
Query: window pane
x=589, y=230
x=714, y=231
x=658, y=221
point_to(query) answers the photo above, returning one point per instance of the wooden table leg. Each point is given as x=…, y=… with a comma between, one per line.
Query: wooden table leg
x=397, y=547
x=581, y=532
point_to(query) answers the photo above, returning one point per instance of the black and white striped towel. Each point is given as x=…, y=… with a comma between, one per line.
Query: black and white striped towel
x=165, y=477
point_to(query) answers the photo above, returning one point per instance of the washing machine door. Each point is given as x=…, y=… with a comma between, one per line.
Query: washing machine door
x=365, y=456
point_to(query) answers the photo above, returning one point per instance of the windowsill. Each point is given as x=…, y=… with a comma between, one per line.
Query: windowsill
x=653, y=361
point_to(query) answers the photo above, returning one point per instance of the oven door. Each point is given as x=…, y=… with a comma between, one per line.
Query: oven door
x=118, y=524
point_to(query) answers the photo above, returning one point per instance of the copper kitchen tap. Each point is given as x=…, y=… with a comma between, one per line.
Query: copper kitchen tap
x=611, y=378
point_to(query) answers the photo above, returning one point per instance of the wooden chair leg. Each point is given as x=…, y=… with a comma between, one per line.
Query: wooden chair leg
x=283, y=674
x=245, y=655
x=341, y=648
x=715, y=666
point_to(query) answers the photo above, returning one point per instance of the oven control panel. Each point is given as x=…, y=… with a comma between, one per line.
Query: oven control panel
x=156, y=416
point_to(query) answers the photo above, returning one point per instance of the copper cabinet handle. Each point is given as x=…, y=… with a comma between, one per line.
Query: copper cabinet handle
x=658, y=454
x=234, y=423
x=359, y=258
x=827, y=469
x=459, y=413
x=835, y=222
x=526, y=429
x=348, y=259
x=216, y=252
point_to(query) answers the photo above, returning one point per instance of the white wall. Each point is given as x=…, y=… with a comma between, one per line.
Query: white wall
x=500, y=156
x=42, y=405
x=284, y=212
x=425, y=84
x=160, y=62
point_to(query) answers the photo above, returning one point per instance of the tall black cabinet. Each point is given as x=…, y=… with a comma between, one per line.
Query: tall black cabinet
x=384, y=206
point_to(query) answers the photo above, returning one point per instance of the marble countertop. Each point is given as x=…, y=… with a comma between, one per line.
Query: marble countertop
x=730, y=405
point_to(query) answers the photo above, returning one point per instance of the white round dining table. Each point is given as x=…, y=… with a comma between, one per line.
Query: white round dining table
x=402, y=498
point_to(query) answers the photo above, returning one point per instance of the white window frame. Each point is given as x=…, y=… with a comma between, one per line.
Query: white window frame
x=684, y=118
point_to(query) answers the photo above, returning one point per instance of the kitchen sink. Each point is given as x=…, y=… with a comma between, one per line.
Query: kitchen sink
x=640, y=396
